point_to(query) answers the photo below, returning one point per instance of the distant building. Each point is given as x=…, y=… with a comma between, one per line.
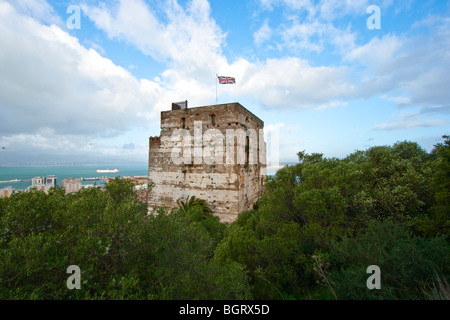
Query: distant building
x=6, y=192
x=37, y=181
x=87, y=186
x=43, y=183
x=40, y=187
x=51, y=180
x=71, y=185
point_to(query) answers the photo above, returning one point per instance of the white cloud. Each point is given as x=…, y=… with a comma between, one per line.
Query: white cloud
x=414, y=67
x=332, y=104
x=273, y=127
x=293, y=83
x=189, y=40
x=56, y=96
x=283, y=142
x=378, y=53
x=282, y=83
x=305, y=35
x=45, y=139
x=335, y=9
x=49, y=80
x=399, y=100
x=293, y=4
x=47, y=145
x=409, y=119
x=38, y=9
x=400, y=125
x=327, y=10
x=262, y=34
x=310, y=26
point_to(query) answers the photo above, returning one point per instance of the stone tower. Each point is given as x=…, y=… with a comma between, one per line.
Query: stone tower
x=216, y=153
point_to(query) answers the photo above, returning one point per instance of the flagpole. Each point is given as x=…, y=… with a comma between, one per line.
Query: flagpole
x=216, y=88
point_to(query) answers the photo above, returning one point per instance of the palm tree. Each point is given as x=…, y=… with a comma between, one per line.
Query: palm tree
x=192, y=202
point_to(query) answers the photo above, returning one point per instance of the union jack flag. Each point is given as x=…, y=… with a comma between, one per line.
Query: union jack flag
x=226, y=80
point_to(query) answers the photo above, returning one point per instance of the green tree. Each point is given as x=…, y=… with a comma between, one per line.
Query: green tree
x=271, y=252
x=321, y=221
x=408, y=263
x=316, y=203
x=437, y=221
x=119, y=189
x=122, y=252
x=193, y=202
x=178, y=249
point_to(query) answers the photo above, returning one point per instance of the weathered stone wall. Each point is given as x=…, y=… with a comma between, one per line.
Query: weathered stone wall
x=231, y=182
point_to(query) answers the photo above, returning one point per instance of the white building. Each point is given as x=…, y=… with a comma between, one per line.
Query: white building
x=43, y=183
x=6, y=192
x=71, y=185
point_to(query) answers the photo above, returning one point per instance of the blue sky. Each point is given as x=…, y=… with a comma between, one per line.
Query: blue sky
x=312, y=70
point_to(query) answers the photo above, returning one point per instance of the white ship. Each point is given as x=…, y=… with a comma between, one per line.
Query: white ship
x=107, y=171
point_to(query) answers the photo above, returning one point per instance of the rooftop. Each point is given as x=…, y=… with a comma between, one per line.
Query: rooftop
x=215, y=106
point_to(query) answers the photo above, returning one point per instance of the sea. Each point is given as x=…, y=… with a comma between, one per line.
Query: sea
x=25, y=173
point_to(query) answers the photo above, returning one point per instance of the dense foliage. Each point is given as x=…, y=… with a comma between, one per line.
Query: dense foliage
x=312, y=235
x=322, y=222
x=121, y=251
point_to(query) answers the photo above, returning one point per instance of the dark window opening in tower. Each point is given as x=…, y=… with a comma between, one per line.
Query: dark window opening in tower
x=247, y=150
